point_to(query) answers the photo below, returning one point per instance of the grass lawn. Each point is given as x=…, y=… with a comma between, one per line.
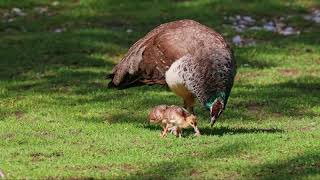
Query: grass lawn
x=58, y=119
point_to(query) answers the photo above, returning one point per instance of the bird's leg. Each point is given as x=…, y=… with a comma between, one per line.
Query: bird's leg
x=189, y=104
x=173, y=130
x=165, y=131
x=178, y=132
x=163, y=128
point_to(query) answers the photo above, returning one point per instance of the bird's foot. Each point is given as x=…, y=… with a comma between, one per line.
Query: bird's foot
x=197, y=134
x=173, y=130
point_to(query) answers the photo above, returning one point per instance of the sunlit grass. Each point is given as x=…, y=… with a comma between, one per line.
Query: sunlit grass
x=58, y=119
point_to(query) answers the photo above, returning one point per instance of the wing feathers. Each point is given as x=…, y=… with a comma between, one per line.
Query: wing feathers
x=150, y=57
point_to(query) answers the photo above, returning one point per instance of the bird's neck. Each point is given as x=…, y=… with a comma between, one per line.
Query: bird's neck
x=214, y=98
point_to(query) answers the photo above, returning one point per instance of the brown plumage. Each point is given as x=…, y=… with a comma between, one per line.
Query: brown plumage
x=192, y=59
x=174, y=118
x=150, y=57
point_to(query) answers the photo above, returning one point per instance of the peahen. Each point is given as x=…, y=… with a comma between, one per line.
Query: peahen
x=192, y=59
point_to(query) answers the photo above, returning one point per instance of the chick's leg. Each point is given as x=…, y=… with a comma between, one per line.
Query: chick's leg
x=163, y=128
x=178, y=132
x=173, y=130
x=165, y=131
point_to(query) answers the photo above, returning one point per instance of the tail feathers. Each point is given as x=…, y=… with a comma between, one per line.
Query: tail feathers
x=127, y=81
x=132, y=80
x=154, y=81
x=110, y=84
x=109, y=76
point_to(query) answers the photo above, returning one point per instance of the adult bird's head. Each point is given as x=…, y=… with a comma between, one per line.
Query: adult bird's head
x=215, y=110
x=216, y=106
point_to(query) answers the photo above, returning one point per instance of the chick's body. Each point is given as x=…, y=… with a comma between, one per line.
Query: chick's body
x=173, y=118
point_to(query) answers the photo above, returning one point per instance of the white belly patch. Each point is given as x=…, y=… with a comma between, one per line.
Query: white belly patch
x=172, y=75
x=175, y=81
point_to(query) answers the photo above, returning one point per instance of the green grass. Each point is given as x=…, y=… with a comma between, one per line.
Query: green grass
x=58, y=119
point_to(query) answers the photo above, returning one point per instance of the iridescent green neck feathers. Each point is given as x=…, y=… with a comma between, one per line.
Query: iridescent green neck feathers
x=213, y=99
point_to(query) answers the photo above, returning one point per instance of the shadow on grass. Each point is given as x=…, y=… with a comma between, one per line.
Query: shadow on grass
x=301, y=166
x=34, y=51
x=185, y=166
x=220, y=130
x=29, y=55
x=165, y=170
x=290, y=99
x=293, y=98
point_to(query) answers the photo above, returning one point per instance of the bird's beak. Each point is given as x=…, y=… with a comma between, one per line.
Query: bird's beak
x=213, y=120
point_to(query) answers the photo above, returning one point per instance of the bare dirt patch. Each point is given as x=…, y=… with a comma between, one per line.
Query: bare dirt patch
x=18, y=114
x=307, y=129
x=259, y=110
x=248, y=75
x=277, y=114
x=8, y=136
x=128, y=167
x=314, y=72
x=254, y=107
x=289, y=72
x=35, y=157
x=194, y=173
x=102, y=168
x=38, y=156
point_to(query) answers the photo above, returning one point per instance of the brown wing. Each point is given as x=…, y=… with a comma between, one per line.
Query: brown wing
x=158, y=57
x=149, y=58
